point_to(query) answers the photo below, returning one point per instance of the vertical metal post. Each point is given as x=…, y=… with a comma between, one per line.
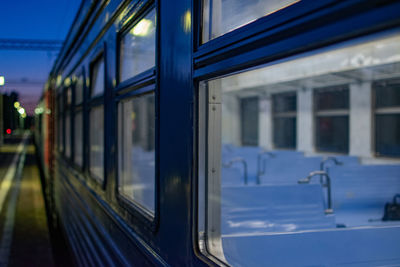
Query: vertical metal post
x=213, y=176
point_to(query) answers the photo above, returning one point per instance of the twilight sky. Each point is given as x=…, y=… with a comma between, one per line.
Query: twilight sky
x=27, y=71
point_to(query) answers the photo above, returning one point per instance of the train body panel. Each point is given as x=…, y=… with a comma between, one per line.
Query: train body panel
x=163, y=125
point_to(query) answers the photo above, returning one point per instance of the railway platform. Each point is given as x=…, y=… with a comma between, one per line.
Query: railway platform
x=24, y=234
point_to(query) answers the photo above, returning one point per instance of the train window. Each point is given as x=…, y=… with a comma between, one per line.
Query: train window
x=387, y=118
x=79, y=90
x=137, y=150
x=96, y=146
x=60, y=124
x=78, y=138
x=257, y=199
x=332, y=119
x=222, y=16
x=67, y=134
x=97, y=78
x=284, y=120
x=138, y=47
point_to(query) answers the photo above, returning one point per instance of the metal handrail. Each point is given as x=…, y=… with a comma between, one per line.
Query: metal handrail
x=240, y=160
x=259, y=157
x=307, y=180
x=325, y=160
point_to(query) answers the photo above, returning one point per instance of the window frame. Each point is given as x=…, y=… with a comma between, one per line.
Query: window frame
x=68, y=109
x=376, y=111
x=267, y=41
x=146, y=76
x=141, y=84
x=282, y=115
x=91, y=103
x=331, y=113
x=79, y=107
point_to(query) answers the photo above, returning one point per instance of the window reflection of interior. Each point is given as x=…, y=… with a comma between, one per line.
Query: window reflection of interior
x=138, y=47
x=98, y=78
x=78, y=138
x=222, y=16
x=264, y=190
x=137, y=150
x=96, y=146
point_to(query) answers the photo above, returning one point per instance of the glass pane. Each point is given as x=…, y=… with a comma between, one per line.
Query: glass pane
x=387, y=94
x=285, y=132
x=67, y=135
x=137, y=150
x=249, y=115
x=222, y=16
x=96, y=137
x=332, y=134
x=60, y=126
x=138, y=47
x=78, y=138
x=79, y=90
x=284, y=102
x=388, y=135
x=69, y=96
x=332, y=98
x=98, y=78
x=264, y=205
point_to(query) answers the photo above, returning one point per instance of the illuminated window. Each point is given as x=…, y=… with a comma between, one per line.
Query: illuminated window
x=137, y=150
x=96, y=147
x=78, y=138
x=68, y=132
x=96, y=120
x=97, y=78
x=256, y=199
x=138, y=47
x=222, y=16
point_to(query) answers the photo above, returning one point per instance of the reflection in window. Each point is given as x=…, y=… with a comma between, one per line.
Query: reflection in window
x=137, y=150
x=98, y=77
x=138, y=47
x=254, y=191
x=78, y=139
x=222, y=16
x=67, y=134
x=387, y=118
x=284, y=116
x=249, y=119
x=60, y=139
x=79, y=90
x=332, y=123
x=96, y=146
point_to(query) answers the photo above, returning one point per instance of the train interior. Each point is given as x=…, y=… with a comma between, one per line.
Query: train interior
x=300, y=155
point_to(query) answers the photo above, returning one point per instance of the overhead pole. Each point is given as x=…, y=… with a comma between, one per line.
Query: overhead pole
x=30, y=44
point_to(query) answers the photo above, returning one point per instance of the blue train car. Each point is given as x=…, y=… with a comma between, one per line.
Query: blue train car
x=226, y=132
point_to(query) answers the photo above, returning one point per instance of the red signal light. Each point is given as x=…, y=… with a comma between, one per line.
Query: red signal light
x=8, y=131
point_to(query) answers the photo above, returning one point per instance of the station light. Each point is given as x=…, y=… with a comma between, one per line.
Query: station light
x=142, y=28
x=21, y=110
x=23, y=115
x=39, y=111
x=2, y=80
x=8, y=131
x=17, y=105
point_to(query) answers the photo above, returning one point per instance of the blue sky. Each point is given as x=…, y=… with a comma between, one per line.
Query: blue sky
x=26, y=71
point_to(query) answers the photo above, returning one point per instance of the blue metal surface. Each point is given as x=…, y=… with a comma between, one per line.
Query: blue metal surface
x=103, y=231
